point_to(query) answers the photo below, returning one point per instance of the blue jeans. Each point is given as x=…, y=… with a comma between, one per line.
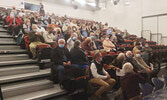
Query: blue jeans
x=61, y=71
x=79, y=66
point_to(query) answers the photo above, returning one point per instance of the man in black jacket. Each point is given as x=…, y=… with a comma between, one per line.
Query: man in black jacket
x=60, y=56
x=78, y=57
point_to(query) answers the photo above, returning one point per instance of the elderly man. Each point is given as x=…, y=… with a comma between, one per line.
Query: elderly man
x=100, y=77
x=129, y=58
x=60, y=56
x=130, y=83
x=140, y=61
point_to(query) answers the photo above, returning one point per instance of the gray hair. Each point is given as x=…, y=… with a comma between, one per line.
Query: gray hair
x=128, y=52
x=61, y=40
x=120, y=55
x=127, y=68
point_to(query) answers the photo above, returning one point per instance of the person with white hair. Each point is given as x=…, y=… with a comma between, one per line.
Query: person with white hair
x=60, y=56
x=71, y=40
x=130, y=59
x=130, y=83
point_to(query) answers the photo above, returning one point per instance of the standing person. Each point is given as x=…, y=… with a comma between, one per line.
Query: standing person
x=42, y=11
x=100, y=77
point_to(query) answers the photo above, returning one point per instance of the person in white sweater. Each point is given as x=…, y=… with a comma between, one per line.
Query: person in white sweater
x=48, y=36
x=100, y=77
x=71, y=41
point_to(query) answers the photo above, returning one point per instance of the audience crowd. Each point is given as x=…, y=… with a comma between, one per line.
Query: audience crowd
x=74, y=41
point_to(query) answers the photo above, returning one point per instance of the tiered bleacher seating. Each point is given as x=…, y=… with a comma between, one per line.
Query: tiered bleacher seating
x=19, y=72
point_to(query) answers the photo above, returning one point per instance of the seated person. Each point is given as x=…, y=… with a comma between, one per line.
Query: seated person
x=49, y=37
x=78, y=56
x=41, y=29
x=130, y=83
x=60, y=56
x=35, y=40
x=140, y=61
x=146, y=54
x=71, y=40
x=84, y=31
x=129, y=58
x=87, y=45
x=107, y=44
x=26, y=26
x=100, y=77
x=94, y=42
x=119, y=38
x=118, y=62
x=137, y=47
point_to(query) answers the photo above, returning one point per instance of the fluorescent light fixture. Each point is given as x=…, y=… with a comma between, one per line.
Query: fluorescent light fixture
x=92, y=4
x=82, y=2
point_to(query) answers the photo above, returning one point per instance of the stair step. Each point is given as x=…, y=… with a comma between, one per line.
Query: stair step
x=7, y=39
x=26, y=76
x=13, y=57
x=14, y=51
x=40, y=95
x=26, y=87
x=2, y=29
x=19, y=62
x=8, y=43
x=19, y=69
x=4, y=33
x=6, y=26
x=5, y=36
x=9, y=47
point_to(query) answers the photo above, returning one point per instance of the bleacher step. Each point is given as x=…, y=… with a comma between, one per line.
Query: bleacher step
x=25, y=87
x=5, y=36
x=19, y=69
x=12, y=57
x=4, y=33
x=6, y=26
x=40, y=95
x=8, y=42
x=19, y=62
x=18, y=77
x=2, y=29
x=21, y=51
x=9, y=47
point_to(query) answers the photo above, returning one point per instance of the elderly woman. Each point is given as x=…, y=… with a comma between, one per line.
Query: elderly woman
x=130, y=83
x=107, y=44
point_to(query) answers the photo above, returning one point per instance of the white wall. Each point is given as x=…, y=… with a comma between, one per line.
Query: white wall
x=62, y=10
x=123, y=17
x=10, y=3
